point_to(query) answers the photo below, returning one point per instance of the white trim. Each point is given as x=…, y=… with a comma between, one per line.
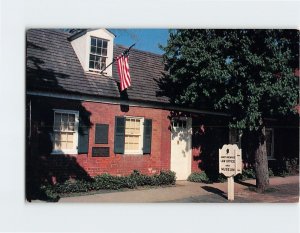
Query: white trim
x=108, y=100
x=87, y=52
x=75, y=136
x=94, y=71
x=95, y=54
x=104, y=29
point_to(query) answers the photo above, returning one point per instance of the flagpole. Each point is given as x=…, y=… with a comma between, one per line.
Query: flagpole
x=117, y=58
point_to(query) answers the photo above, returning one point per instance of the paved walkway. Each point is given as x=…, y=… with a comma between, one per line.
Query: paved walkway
x=281, y=190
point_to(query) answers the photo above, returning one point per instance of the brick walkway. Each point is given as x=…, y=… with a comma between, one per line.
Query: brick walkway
x=281, y=190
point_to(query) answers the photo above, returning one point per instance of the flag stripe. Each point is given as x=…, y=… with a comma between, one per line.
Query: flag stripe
x=123, y=69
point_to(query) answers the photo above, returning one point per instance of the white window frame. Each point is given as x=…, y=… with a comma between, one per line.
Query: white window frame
x=75, y=142
x=272, y=144
x=141, y=141
x=90, y=53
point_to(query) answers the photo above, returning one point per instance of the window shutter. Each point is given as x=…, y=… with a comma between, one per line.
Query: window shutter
x=101, y=134
x=83, y=138
x=119, y=135
x=147, y=136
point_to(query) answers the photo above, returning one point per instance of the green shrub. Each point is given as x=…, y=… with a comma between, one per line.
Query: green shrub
x=199, y=177
x=248, y=173
x=291, y=166
x=47, y=193
x=165, y=178
x=71, y=186
x=222, y=178
x=286, y=166
x=107, y=181
x=141, y=179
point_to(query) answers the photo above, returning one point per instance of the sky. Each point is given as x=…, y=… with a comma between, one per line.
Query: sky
x=145, y=39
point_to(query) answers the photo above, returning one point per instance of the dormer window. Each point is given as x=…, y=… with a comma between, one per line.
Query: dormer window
x=98, y=54
x=94, y=50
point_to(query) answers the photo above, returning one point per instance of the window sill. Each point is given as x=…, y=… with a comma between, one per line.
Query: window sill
x=271, y=158
x=133, y=152
x=98, y=72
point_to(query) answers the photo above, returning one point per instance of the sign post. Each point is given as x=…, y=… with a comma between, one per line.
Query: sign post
x=230, y=164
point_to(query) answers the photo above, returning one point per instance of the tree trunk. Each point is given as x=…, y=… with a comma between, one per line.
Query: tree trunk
x=261, y=163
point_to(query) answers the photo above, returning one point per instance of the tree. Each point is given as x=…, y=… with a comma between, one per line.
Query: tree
x=247, y=73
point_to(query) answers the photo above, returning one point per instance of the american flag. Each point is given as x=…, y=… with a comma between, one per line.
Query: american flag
x=123, y=69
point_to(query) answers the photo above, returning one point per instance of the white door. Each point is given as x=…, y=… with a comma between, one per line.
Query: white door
x=181, y=152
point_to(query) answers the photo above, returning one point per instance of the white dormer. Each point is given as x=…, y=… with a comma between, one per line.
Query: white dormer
x=94, y=49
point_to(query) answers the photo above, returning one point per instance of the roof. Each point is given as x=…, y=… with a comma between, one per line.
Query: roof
x=53, y=66
x=82, y=32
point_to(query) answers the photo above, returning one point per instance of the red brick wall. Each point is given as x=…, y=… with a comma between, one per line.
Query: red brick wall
x=119, y=164
x=61, y=167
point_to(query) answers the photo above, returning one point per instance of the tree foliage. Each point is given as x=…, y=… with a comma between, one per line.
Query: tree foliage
x=247, y=73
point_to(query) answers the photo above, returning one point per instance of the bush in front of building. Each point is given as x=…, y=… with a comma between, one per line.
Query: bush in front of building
x=288, y=166
x=284, y=167
x=70, y=186
x=248, y=173
x=164, y=178
x=199, y=177
x=108, y=182
x=222, y=178
x=141, y=179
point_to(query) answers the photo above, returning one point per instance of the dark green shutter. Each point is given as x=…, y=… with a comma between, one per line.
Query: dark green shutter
x=147, y=136
x=101, y=134
x=119, y=135
x=83, y=138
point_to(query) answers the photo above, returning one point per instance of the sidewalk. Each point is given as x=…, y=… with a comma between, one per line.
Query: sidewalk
x=281, y=190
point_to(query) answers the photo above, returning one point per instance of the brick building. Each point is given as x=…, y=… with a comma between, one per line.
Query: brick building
x=80, y=125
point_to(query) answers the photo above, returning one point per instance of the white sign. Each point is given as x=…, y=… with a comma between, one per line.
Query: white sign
x=230, y=164
x=230, y=160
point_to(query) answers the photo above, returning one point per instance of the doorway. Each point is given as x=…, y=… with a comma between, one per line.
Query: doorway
x=181, y=151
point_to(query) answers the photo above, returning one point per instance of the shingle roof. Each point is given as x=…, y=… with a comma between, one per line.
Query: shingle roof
x=52, y=65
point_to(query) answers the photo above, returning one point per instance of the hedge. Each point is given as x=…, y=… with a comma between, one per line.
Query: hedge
x=289, y=167
x=109, y=182
x=198, y=177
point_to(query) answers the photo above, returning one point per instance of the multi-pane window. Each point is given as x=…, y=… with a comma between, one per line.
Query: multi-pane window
x=133, y=135
x=65, y=131
x=98, y=54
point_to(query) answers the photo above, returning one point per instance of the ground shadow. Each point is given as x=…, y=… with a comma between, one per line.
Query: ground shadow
x=215, y=191
x=245, y=183
x=42, y=166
